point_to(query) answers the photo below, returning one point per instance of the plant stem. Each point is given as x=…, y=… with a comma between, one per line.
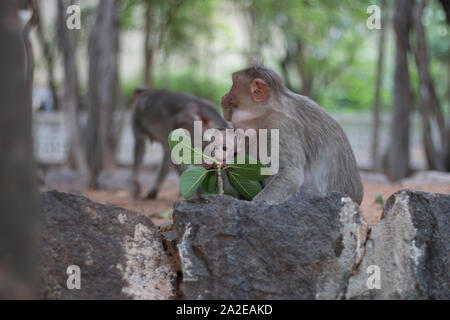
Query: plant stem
x=219, y=181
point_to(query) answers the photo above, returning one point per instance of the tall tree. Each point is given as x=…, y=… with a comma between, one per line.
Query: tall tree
x=302, y=68
x=377, y=101
x=19, y=199
x=102, y=86
x=446, y=7
x=434, y=131
x=397, y=155
x=68, y=46
x=48, y=55
x=30, y=25
x=148, y=44
x=158, y=28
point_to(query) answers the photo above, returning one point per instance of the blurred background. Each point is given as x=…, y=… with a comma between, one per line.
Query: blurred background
x=323, y=49
x=388, y=87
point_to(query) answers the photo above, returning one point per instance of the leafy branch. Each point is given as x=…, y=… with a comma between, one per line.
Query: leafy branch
x=243, y=177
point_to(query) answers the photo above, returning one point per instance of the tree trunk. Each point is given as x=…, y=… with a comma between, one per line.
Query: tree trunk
x=434, y=134
x=291, y=51
x=254, y=45
x=148, y=46
x=305, y=76
x=376, y=165
x=34, y=20
x=285, y=73
x=446, y=7
x=397, y=156
x=68, y=45
x=19, y=198
x=103, y=51
x=448, y=121
x=49, y=59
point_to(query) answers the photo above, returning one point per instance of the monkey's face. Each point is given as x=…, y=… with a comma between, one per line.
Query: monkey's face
x=245, y=103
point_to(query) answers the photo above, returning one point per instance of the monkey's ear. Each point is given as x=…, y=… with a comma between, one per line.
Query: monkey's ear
x=260, y=90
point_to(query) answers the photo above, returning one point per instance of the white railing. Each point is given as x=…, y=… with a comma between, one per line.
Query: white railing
x=50, y=139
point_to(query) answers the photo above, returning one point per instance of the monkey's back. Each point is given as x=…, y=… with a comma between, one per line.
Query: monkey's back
x=330, y=162
x=158, y=112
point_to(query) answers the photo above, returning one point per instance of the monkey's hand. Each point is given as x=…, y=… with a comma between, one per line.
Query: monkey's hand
x=208, y=166
x=281, y=186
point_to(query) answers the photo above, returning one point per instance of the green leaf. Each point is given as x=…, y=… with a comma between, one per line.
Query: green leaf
x=191, y=179
x=246, y=188
x=165, y=214
x=209, y=184
x=179, y=139
x=180, y=133
x=248, y=170
x=379, y=199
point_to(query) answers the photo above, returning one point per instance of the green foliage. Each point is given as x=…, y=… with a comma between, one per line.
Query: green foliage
x=209, y=185
x=165, y=214
x=246, y=188
x=191, y=179
x=244, y=178
x=182, y=147
x=379, y=200
x=188, y=81
x=248, y=170
x=191, y=81
x=339, y=52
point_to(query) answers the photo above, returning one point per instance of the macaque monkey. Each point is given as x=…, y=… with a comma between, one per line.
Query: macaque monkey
x=315, y=156
x=155, y=114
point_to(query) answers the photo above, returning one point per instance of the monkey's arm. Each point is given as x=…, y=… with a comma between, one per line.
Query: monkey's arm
x=289, y=178
x=281, y=186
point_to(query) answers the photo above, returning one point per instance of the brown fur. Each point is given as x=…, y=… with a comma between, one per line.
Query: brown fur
x=315, y=155
x=155, y=114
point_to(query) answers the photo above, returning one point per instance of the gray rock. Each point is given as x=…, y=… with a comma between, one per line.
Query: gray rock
x=428, y=178
x=118, y=251
x=301, y=249
x=410, y=246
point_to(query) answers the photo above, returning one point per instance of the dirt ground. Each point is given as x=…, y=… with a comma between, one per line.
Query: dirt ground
x=159, y=210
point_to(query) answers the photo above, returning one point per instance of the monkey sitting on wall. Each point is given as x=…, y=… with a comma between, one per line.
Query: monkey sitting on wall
x=315, y=156
x=155, y=114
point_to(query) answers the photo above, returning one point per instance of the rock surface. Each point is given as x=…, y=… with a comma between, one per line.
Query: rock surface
x=234, y=249
x=428, y=177
x=118, y=251
x=411, y=248
x=301, y=249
